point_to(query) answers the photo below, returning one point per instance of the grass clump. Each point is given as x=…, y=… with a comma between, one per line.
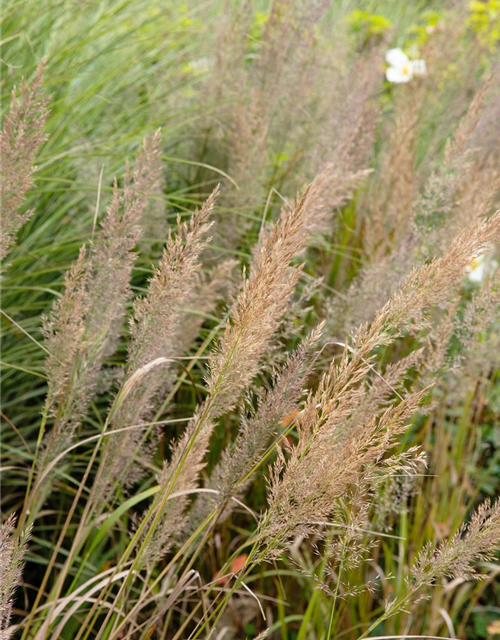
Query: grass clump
x=250, y=379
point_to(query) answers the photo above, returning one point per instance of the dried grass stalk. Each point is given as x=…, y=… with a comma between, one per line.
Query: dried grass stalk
x=157, y=332
x=255, y=317
x=340, y=445
x=12, y=551
x=21, y=137
x=85, y=324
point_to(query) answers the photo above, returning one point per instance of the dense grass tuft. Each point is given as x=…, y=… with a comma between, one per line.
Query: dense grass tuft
x=250, y=320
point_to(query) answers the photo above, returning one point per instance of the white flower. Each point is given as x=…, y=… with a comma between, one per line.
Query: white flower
x=482, y=266
x=201, y=65
x=401, y=68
